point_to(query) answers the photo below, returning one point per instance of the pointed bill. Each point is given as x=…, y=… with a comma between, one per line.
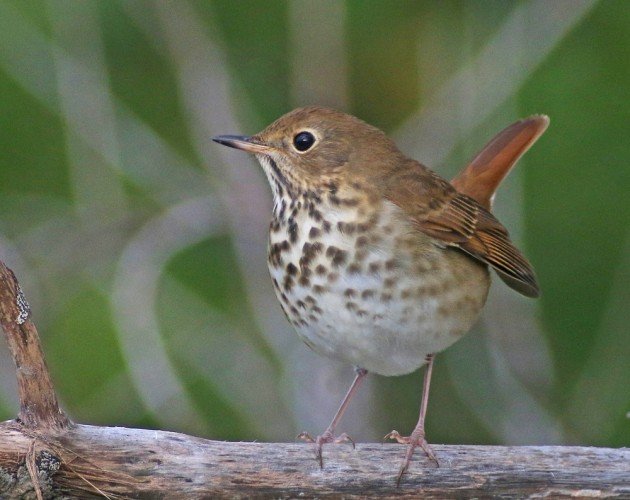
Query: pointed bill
x=243, y=143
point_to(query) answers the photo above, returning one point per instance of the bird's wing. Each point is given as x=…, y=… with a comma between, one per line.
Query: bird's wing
x=457, y=220
x=482, y=176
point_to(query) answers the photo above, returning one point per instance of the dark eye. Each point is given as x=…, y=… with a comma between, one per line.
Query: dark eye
x=303, y=141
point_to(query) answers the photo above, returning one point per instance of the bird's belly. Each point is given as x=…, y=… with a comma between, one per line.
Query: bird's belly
x=385, y=309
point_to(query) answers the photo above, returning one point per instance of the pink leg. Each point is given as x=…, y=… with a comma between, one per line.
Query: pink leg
x=328, y=436
x=417, y=437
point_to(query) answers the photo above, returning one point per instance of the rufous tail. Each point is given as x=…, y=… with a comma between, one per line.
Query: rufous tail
x=482, y=176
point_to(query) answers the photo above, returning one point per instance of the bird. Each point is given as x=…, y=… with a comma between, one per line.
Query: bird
x=377, y=260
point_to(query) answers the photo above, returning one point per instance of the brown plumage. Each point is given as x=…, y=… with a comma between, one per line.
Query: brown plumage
x=440, y=211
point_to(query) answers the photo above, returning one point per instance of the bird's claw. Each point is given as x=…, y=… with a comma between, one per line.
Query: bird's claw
x=344, y=438
x=416, y=439
x=305, y=436
x=396, y=435
x=322, y=439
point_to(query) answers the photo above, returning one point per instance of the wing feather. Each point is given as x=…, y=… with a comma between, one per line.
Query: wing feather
x=457, y=220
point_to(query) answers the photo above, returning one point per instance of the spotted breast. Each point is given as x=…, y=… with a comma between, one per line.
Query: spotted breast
x=359, y=284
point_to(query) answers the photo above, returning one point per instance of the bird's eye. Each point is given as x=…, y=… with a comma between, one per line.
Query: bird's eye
x=303, y=141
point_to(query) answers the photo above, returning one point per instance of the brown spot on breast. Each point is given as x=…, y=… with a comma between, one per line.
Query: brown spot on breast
x=316, y=215
x=405, y=294
x=275, y=253
x=326, y=226
x=309, y=299
x=288, y=283
x=340, y=258
x=293, y=230
x=317, y=310
x=332, y=277
x=374, y=267
x=319, y=289
x=320, y=270
x=350, y=292
x=314, y=233
x=367, y=294
x=336, y=255
x=386, y=297
x=361, y=242
x=391, y=264
x=389, y=282
x=346, y=227
x=353, y=268
x=309, y=252
x=291, y=269
x=351, y=306
x=283, y=208
x=304, y=281
x=311, y=249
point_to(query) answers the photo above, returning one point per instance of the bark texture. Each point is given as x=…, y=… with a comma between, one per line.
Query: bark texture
x=86, y=461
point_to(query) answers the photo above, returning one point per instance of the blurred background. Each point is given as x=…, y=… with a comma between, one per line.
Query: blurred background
x=141, y=245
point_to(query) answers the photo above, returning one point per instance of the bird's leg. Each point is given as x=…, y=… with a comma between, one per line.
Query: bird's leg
x=417, y=437
x=328, y=436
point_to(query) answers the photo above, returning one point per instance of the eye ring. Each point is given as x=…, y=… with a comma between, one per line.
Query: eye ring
x=303, y=141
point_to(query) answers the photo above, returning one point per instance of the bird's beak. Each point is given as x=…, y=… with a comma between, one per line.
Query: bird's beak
x=248, y=144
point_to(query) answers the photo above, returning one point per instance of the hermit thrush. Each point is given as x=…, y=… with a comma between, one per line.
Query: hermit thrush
x=377, y=260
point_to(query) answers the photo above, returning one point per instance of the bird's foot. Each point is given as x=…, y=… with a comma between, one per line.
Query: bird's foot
x=416, y=439
x=326, y=437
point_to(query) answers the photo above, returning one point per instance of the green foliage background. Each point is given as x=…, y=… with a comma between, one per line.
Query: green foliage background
x=142, y=247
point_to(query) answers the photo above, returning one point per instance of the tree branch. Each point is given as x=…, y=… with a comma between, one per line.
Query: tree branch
x=38, y=402
x=43, y=455
x=120, y=462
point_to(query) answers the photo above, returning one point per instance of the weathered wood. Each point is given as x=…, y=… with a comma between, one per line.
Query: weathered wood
x=38, y=401
x=137, y=463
